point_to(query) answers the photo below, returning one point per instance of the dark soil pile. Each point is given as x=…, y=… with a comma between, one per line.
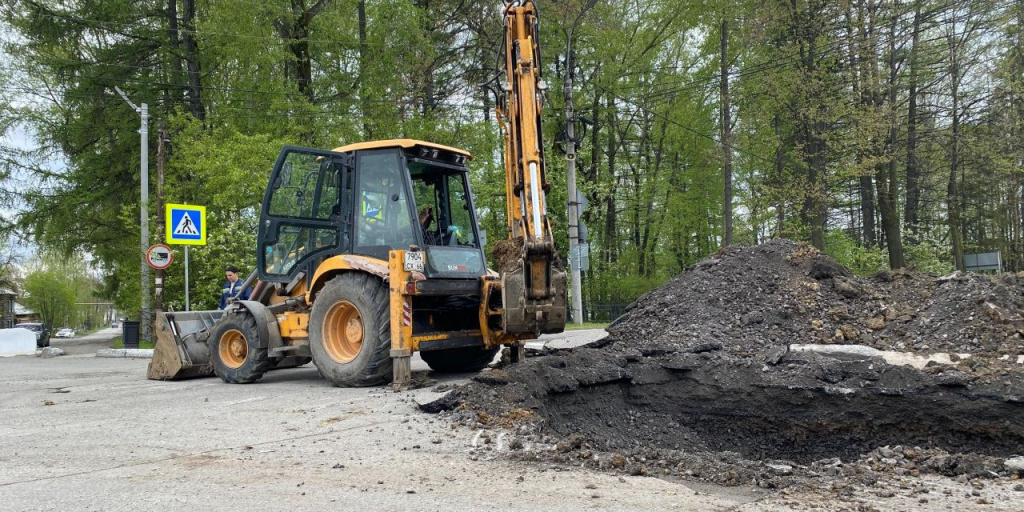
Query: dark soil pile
x=509, y=254
x=750, y=298
x=697, y=379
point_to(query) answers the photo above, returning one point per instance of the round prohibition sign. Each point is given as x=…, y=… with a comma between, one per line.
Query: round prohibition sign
x=159, y=256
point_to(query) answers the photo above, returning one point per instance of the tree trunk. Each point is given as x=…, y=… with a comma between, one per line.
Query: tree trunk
x=867, y=211
x=952, y=187
x=862, y=58
x=726, y=136
x=811, y=132
x=647, y=254
x=780, y=166
x=174, y=40
x=610, y=235
x=195, y=88
x=294, y=33
x=815, y=206
x=912, y=207
x=886, y=178
x=887, y=204
x=363, y=58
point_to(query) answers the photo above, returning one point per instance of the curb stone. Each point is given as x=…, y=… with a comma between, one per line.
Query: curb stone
x=132, y=353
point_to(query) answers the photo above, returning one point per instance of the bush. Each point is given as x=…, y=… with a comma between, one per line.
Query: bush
x=928, y=257
x=861, y=260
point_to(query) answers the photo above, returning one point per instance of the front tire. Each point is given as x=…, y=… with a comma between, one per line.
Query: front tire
x=350, y=331
x=457, y=360
x=235, y=350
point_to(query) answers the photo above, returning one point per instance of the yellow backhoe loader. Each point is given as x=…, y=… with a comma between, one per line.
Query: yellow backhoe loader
x=371, y=252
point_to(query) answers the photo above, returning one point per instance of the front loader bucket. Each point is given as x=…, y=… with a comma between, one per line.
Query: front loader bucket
x=181, y=345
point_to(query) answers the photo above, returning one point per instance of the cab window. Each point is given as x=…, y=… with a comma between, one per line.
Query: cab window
x=309, y=202
x=384, y=216
x=443, y=200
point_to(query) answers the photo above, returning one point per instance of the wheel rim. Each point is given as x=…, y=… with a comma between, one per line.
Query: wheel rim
x=342, y=332
x=233, y=348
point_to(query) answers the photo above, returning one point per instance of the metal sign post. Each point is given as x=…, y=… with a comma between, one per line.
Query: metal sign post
x=186, y=225
x=575, y=288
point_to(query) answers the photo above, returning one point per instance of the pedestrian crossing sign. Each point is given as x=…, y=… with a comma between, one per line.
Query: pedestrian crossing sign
x=185, y=224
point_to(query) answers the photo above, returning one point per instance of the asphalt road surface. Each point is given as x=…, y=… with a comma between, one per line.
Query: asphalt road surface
x=85, y=433
x=87, y=344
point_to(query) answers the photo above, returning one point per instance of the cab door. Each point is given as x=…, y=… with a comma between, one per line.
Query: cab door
x=307, y=212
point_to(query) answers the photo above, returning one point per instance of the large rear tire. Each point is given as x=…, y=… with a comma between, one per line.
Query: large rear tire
x=235, y=350
x=350, y=331
x=456, y=360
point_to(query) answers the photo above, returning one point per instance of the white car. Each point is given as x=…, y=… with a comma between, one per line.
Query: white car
x=66, y=333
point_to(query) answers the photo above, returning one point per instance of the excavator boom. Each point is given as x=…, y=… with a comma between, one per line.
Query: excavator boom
x=533, y=280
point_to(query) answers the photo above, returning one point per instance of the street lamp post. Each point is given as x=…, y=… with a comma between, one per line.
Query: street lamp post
x=143, y=111
x=575, y=255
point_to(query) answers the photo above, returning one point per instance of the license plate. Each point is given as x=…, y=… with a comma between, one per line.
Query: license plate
x=414, y=261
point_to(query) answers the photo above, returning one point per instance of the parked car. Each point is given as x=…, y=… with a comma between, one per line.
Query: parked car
x=42, y=333
x=66, y=333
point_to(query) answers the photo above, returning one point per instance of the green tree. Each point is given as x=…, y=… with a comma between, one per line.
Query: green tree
x=50, y=294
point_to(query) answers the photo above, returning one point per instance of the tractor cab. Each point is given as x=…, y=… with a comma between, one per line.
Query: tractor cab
x=368, y=199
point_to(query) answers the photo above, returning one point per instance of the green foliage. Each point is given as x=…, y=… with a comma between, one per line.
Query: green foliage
x=929, y=258
x=861, y=260
x=143, y=344
x=930, y=253
x=818, y=103
x=51, y=295
x=56, y=273
x=227, y=172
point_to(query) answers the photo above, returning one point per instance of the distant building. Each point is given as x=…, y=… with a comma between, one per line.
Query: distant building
x=23, y=314
x=8, y=315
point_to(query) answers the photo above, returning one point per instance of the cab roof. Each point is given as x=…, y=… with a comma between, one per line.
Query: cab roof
x=403, y=143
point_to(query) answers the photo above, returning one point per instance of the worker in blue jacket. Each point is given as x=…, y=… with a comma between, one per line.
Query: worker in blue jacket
x=231, y=288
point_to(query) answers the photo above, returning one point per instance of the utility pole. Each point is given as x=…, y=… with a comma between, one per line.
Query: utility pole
x=161, y=158
x=575, y=287
x=575, y=255
x=143, y=110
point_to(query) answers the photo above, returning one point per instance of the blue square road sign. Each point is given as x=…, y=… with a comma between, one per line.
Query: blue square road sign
x=186, y=224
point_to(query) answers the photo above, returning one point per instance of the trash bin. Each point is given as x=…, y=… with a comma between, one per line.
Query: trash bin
x=130, y=334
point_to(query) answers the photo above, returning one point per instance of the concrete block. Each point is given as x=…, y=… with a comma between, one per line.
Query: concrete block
x=49, y=352
x=17, y=342
x=132, y=353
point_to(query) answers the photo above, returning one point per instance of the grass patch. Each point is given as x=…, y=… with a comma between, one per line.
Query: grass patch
x=585, y=325
x=119, y=343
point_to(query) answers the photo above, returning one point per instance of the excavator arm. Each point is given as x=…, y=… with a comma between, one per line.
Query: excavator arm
x=533, y=278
